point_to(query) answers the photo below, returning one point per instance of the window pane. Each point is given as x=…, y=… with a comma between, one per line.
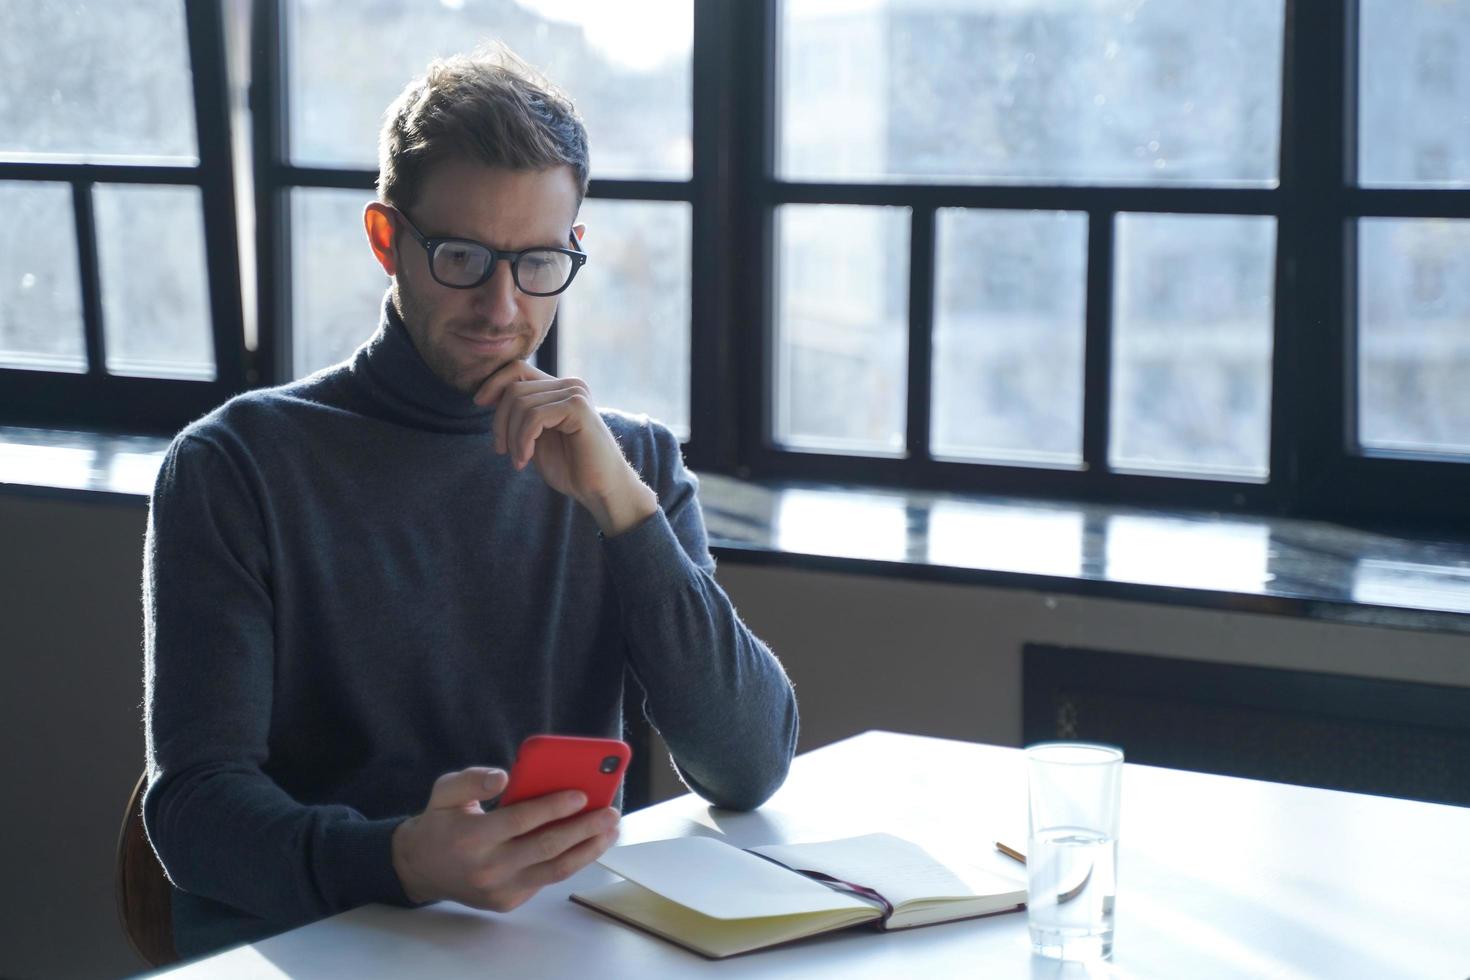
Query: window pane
x=627, y=73
x=40, y=292
x=1414, y=334
x=1414, y=93
x=624, y=323
x=1008, y=335
x=1031, y=90
x=95, y=82
x=1192, y=344
x=842, y=328
x=155, y=289
x=336, y=285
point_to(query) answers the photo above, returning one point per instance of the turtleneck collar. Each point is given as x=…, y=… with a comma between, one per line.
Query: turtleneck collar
x=394, y=376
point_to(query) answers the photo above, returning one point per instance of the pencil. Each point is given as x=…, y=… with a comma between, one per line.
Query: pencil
x=1010, y=852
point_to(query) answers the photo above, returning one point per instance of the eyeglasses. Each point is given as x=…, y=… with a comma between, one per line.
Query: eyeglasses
x=462, y=263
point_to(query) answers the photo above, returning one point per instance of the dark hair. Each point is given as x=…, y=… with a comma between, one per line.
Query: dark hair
x=489, y=107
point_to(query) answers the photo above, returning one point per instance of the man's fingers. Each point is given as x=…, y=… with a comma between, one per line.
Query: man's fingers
x=518, y=397
x=511, y=414
x=522, y=818
x=568, y=863
x=532, y=386
x=460, y=789
x=509, y=397
x=552, y=414
x=507, y=374
x=551, y=841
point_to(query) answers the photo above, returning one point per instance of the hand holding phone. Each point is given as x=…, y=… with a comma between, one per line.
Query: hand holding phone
x=498, y=859
x=548, y=763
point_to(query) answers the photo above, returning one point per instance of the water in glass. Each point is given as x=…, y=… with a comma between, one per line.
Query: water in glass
x=1073, y=886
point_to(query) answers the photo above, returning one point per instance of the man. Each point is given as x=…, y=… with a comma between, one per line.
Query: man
x=400, y=567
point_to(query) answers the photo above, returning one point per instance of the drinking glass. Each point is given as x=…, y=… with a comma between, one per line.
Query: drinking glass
x=1072, y=853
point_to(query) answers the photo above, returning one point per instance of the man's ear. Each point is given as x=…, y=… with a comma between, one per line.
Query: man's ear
x=382, y=233
x=579, y=230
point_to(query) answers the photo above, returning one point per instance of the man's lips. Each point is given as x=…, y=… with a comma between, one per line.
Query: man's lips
x=488, y=343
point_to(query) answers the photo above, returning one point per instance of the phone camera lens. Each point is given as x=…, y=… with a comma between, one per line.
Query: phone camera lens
x=609, y=764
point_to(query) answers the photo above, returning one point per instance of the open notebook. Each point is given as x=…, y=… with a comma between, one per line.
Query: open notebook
x=719, y=900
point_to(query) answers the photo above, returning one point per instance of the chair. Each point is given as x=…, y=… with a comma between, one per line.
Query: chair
x=144, y=897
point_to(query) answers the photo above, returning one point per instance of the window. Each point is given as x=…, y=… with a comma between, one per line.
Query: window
x=1052, y=267
x=1414, y=335
x=1409, y=356
x=842, y=328
x=1197, y=253
x=1120, y=256
x=1191, y=371
x=625, y=327
x=42, y=304
x=1009, y=336
x=119, y=296
x=1413, y=109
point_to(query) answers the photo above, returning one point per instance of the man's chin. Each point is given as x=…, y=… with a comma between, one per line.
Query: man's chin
x=473, y=378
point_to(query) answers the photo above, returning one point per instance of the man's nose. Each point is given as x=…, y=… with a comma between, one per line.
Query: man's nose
x=498, y=294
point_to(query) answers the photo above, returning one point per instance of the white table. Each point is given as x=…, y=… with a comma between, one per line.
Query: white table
x=1218, y=877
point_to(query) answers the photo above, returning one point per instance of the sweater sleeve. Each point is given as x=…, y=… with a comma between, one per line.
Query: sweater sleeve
x=221, y=827
x=714, y=691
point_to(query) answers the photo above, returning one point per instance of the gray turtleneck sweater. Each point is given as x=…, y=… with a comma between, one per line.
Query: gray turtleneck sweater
x=348, y=593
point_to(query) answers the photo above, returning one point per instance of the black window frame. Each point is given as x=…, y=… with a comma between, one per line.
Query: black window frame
x=107, y=402
x=1317, y=468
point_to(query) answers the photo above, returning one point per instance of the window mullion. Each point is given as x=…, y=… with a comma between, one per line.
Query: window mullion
x=752, y=209
x=1310, y=398
x=90, y=277
x=921, y=332
x=272, y=215
x=216, y=172
x=1097, y=391
x=712, y=340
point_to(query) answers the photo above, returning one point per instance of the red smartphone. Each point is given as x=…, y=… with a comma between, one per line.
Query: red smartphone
x=548, y=763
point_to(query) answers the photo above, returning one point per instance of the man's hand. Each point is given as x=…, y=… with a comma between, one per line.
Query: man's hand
x=553, y=423
x=495, y=860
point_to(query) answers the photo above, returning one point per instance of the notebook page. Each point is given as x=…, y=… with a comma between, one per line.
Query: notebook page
x=639, y=907
x=900, y=870
x=722, y=881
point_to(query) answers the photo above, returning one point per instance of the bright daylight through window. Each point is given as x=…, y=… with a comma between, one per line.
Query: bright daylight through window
x=1105, y=92
x=1021, y=246
x=114, y=89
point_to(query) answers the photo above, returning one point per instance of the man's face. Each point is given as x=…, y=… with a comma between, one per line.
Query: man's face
x=465, y=335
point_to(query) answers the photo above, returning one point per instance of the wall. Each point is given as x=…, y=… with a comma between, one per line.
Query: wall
x=71, y=642
x=863, y=652
x=936, y=659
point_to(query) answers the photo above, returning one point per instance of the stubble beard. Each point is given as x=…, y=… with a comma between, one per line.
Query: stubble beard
x=455, y=373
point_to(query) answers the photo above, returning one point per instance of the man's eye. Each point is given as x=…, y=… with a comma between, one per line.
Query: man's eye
x=459, y=256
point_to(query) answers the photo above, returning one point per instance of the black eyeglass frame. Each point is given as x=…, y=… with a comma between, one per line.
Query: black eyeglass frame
x=431, y=245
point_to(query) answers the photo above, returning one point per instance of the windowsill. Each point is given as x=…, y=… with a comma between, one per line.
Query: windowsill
x=92, y=465
x=1273, y=565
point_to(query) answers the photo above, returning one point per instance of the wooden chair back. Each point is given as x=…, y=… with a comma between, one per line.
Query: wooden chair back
x=144, y=896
